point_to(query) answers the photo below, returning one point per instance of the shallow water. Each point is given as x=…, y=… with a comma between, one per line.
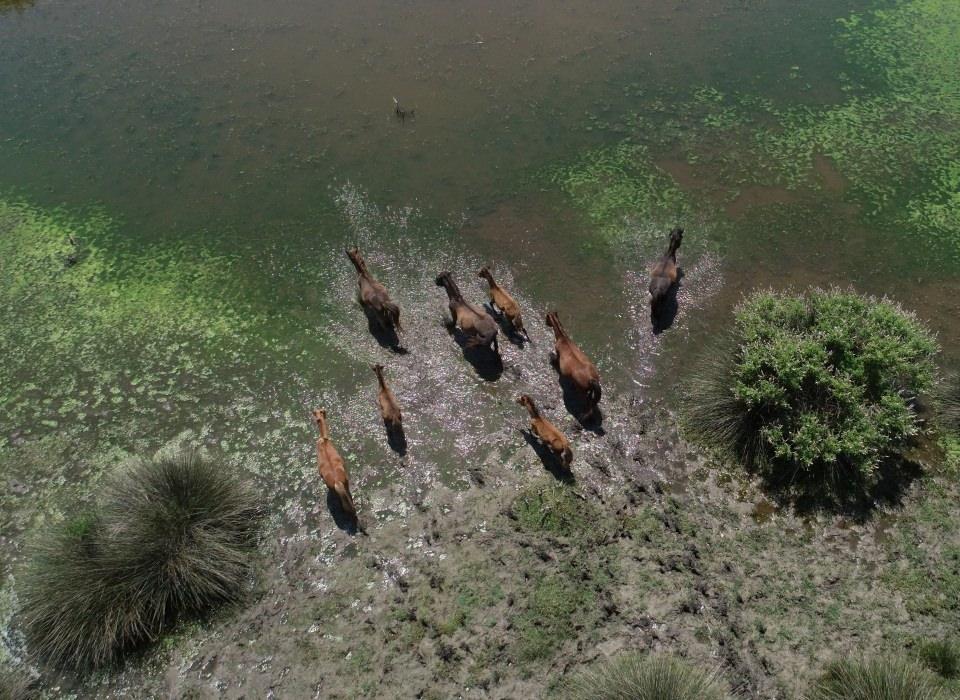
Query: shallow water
x=214, y=160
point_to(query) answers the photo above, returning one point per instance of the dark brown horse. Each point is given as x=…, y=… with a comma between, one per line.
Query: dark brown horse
x=501, y=299
x=476, y=325
x=575, y=367
x=663, y=276
x=373, y=296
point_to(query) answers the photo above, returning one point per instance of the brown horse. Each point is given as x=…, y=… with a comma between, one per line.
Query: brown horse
x=475, y=323
x=373, y=296
x=389, y=407
x=503, y=301
x=547, y=432
x=575, y=367
x=663, y=276
x=331, y=468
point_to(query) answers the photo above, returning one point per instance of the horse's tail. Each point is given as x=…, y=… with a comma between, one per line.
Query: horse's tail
x=346, y=500
x=392, y=312
x=593, y=391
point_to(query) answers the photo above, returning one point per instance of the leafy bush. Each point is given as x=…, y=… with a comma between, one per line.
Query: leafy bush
x=817, y=389
x=170, y=538
x=634, y=677
x=879, y=679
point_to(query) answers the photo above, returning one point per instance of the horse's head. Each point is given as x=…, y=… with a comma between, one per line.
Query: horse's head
x=524, y=400
x=320, y=416
x=676, y=237
x=357, y=259
x=442, y=279
x=484, y=272
x=377, y=369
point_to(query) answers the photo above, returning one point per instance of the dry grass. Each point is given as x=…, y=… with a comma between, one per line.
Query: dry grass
x=171, y=537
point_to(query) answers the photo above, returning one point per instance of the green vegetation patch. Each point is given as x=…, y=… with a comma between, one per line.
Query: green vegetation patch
x=171, y=537
x=817, y=389
x=620, y=184
x=553, y=508
x=644, y=678
x=553, y=607
x=86, y=333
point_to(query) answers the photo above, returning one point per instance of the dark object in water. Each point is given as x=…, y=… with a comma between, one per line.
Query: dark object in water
x=663, y=277
x=400, y=112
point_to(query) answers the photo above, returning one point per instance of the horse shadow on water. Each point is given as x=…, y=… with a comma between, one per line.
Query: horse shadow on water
x=396, y=438
x=662, y=319
x=343, y=520
x=385, y=335
x=506, y=327
x=577, y=404
x=486, y=361
x=551, y=460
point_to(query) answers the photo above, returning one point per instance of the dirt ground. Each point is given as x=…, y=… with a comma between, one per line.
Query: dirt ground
x=501, y=590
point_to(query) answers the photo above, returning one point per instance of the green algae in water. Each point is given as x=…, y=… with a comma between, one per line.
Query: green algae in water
x=895, y=139
x=612, y=184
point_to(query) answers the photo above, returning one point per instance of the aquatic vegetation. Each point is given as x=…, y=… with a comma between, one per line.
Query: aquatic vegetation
x=620, y=183
x=639, y=677
x=877, y=679
x=170, y=537
x=816, y=391
x=72, y=307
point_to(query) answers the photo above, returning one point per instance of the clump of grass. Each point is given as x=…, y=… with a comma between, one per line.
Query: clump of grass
x=15, y=685
x=878, y=679
x=947, y=403
x=171, y=537
x=635, y=677
x=942, y=657
x=553, y=508
x=816, y=391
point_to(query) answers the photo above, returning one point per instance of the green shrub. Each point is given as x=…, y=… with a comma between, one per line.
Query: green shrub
x=816, y=390
x=635, y=677
x=879, y=679
x=171, y=537
x=942, y=656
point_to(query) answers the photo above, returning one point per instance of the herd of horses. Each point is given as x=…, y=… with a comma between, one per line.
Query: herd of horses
x=479, y=331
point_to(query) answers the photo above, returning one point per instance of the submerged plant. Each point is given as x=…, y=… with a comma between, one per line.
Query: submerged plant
x=171, y=537
x=878, y=679
x=635, y=677
x=817, y=390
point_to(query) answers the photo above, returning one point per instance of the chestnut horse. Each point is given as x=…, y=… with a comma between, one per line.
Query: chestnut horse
x=575, y=367
x=373, y=296
x=330, y=465
x=547, y=432
x=475, y=323
x=663, y=276
x=504, y=302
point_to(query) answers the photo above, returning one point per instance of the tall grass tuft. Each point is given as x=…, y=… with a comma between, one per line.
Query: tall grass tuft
x=15, y=685
x=878, y=679
x=942, y=657
x=171, y=537
x=947, y=403
x=636, y=677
